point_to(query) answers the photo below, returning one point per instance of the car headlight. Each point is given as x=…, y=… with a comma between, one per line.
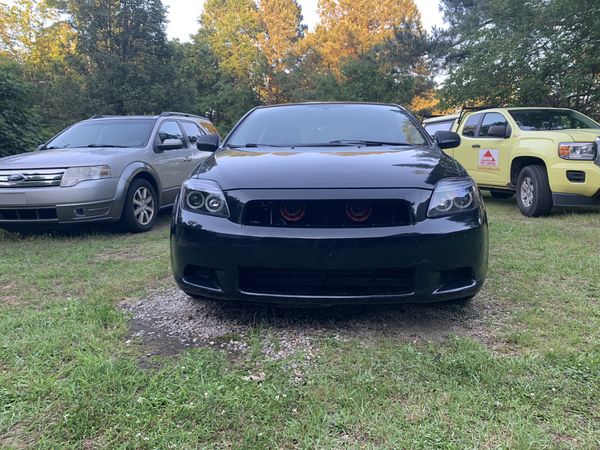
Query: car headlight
x=75, y=175
x=453, y=196
x=581, y=151
x=204, y=197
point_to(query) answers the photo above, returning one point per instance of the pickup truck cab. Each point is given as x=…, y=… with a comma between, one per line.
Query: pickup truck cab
x=548, y=156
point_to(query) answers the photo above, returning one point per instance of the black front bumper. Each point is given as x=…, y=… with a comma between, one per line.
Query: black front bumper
x=432, y=260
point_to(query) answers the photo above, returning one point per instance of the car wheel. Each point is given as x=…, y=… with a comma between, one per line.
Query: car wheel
x=141, y=207
x=533, y=191
x=502, y=194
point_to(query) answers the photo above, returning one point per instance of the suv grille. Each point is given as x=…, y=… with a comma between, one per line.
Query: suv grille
x=327, y=282
x=28, y=214
x=327, y=213
x=31, y=178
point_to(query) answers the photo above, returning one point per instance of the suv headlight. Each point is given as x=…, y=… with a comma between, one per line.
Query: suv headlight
x=75, y=175
x=204, y=197
x=581, y=151
x=453, y=196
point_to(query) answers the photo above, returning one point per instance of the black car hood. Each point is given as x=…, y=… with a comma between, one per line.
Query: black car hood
x=329, y=167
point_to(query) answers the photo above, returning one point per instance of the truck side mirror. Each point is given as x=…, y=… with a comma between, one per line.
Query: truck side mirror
x=447, y=139
x=208, y=142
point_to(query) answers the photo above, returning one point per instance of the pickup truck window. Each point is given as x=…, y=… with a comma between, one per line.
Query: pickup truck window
x=490, y=120
x=551, y=119
x=471, y=125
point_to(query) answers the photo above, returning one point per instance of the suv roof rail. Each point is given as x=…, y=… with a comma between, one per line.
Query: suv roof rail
x=174, y=113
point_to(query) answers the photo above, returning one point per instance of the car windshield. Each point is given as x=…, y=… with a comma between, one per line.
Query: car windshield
x=326, y=125
x=105, y=133
x=551, y=119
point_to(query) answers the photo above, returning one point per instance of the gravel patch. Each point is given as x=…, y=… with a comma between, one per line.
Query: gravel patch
x=167, y=321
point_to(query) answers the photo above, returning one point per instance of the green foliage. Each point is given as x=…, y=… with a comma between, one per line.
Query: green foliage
x=18, y=123
x=125, y=54
x=538, y=52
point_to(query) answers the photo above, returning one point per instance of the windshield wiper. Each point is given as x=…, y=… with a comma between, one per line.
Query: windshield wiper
x=106, y=146
x=368, y=143
x=252, y=145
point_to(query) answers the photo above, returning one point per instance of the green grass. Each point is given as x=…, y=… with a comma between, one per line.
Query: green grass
x=528, y=378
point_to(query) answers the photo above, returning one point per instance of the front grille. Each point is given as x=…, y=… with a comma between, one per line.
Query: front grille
x=31, y=178
x=311, y=282
x=327, y=213
x=28, y=214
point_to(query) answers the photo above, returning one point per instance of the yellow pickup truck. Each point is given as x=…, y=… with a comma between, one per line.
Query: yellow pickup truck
x=548, y=156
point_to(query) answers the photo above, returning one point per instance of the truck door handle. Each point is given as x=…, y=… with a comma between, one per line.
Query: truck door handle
x=476, y=146
x=187, y=158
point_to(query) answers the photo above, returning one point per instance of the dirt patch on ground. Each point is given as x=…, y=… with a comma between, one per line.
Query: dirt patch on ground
x=6, y=295
x=168, y=321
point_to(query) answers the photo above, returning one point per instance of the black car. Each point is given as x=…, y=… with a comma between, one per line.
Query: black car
x=330, y=203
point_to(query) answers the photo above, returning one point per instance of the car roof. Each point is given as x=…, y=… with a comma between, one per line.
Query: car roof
x=178, y=115
x=277, y=105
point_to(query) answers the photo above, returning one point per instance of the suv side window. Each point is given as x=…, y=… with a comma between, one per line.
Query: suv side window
x=170, y=130
x=471, y=125
x=490, y=120
x=192, y=131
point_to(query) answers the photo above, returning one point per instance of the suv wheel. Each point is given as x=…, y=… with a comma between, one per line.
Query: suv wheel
x=533, y=191
x=141, y=207
x=502, y=194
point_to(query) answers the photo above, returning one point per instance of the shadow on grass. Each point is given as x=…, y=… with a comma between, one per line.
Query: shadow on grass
x=74, y=231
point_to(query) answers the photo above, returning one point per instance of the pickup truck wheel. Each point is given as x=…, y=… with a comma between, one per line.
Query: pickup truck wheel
x=533, y=191
x=502, y=194
x=141, y=207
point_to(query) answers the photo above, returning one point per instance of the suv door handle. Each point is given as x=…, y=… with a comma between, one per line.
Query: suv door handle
x=476, y=146
x=187, y=158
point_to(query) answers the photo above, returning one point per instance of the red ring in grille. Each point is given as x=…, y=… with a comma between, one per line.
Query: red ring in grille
x=358, y=211
x=293, y=211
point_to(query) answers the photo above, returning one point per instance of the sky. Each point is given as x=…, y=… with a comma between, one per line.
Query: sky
x=184, y=14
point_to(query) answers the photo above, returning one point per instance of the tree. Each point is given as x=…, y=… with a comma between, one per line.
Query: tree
x=394, y=71
x=543, y=52
x=36, y=35
x=349, y=28
x=19, y=128
x=124, y=52
x=231, y=29
x=282, y=31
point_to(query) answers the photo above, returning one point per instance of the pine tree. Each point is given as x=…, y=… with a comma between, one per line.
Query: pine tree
x=351, y=27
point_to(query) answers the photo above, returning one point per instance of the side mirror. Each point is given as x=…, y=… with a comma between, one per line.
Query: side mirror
x=170, y=144
x=208, y=142
x=447, y=139
x=41, y=147
x=499, y=131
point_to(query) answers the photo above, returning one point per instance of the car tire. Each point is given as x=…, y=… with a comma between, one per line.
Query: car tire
x=500, y=195
x=141, y=207
x=534, y=196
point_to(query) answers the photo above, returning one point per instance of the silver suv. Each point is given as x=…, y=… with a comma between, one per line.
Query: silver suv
x=107, y=168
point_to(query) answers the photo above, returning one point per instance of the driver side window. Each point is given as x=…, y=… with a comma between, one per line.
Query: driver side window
x=170, y=130
x=490, y=120
x=471, y=125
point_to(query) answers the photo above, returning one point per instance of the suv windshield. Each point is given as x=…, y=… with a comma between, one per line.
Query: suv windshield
x=105, y=133
x=551, y=119
x=326, y=125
